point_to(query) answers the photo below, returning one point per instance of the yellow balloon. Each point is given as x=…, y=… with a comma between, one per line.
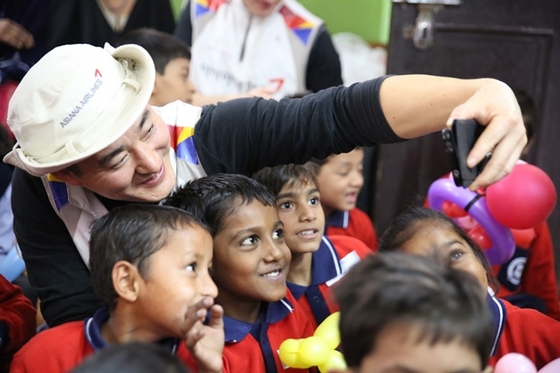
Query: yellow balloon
x=313, y=351
x=334, y=361
x=328, y=330
x=288, y=352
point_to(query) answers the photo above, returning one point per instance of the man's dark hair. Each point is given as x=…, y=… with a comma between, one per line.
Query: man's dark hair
x=132, y=233
x=389, y=289
x=214, y=198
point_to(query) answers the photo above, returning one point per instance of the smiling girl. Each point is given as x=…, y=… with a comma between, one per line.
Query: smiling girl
x=428, y=233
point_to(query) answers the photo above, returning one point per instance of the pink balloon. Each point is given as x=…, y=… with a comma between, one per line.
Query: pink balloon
x=515, y=363
x=552, y=367
x=522, y=199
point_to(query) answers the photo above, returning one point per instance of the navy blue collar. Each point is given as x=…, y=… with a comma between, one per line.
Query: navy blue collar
x=499, y=315
x=271, y=313
x=338, y=219
x=92, y=328
x=325, y=265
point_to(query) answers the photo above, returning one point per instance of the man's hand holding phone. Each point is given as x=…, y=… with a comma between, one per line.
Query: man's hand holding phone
x=459, y=140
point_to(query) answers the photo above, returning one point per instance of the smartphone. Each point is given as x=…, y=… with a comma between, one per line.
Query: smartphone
x=459, y=140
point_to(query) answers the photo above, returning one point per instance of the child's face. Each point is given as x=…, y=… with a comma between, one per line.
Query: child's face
x=398, y=351
x=300, y=210
x=174, y=84
x=340, y=181
x=177, y=278
x=251, y=259
x=442, y=242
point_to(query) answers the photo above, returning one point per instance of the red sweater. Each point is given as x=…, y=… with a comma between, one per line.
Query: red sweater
x=335, y=256
x=531, y=270
x=17, y=315
x=60, y=349
x=354, y=223
x=253, y=347
x=530, y=333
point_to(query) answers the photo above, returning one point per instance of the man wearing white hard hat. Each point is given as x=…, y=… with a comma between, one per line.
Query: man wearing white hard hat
x=88, y=141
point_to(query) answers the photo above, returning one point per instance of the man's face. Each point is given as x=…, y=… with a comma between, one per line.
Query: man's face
x=261, y=8
x=135, y=168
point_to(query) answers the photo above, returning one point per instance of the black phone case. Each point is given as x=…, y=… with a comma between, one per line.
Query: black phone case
x=458, y=141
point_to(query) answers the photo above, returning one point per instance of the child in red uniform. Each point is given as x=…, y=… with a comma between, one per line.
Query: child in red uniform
x=17, y=321
x=402, y=313
x=149, y=266
x=429, y=233
x=528, y=279
x=340, y=180
x=250, y=267
x=317, y=261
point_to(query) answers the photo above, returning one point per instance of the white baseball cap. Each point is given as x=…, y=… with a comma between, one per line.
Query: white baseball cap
x=75, y=101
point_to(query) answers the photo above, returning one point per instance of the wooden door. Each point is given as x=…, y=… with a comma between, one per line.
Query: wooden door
x=514, y=41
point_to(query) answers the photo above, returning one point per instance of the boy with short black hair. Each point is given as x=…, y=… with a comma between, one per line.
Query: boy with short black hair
x=172, y=59
x=317, y=261
x=340, y=177
x=250, y=267
x=405, y=313
x=150, y=267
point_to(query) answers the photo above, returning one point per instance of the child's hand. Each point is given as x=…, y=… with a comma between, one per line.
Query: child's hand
x=206, y=342
x=15, y=35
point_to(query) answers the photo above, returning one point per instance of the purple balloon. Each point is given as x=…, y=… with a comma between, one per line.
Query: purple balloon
x=503, y=244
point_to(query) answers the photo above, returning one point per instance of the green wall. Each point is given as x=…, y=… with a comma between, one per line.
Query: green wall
x=366, y=18
x=176, y=6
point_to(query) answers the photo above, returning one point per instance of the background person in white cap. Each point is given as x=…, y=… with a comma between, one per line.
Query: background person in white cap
x=88, y=141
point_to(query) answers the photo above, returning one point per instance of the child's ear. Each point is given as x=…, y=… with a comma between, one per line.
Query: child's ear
x=125, y=280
